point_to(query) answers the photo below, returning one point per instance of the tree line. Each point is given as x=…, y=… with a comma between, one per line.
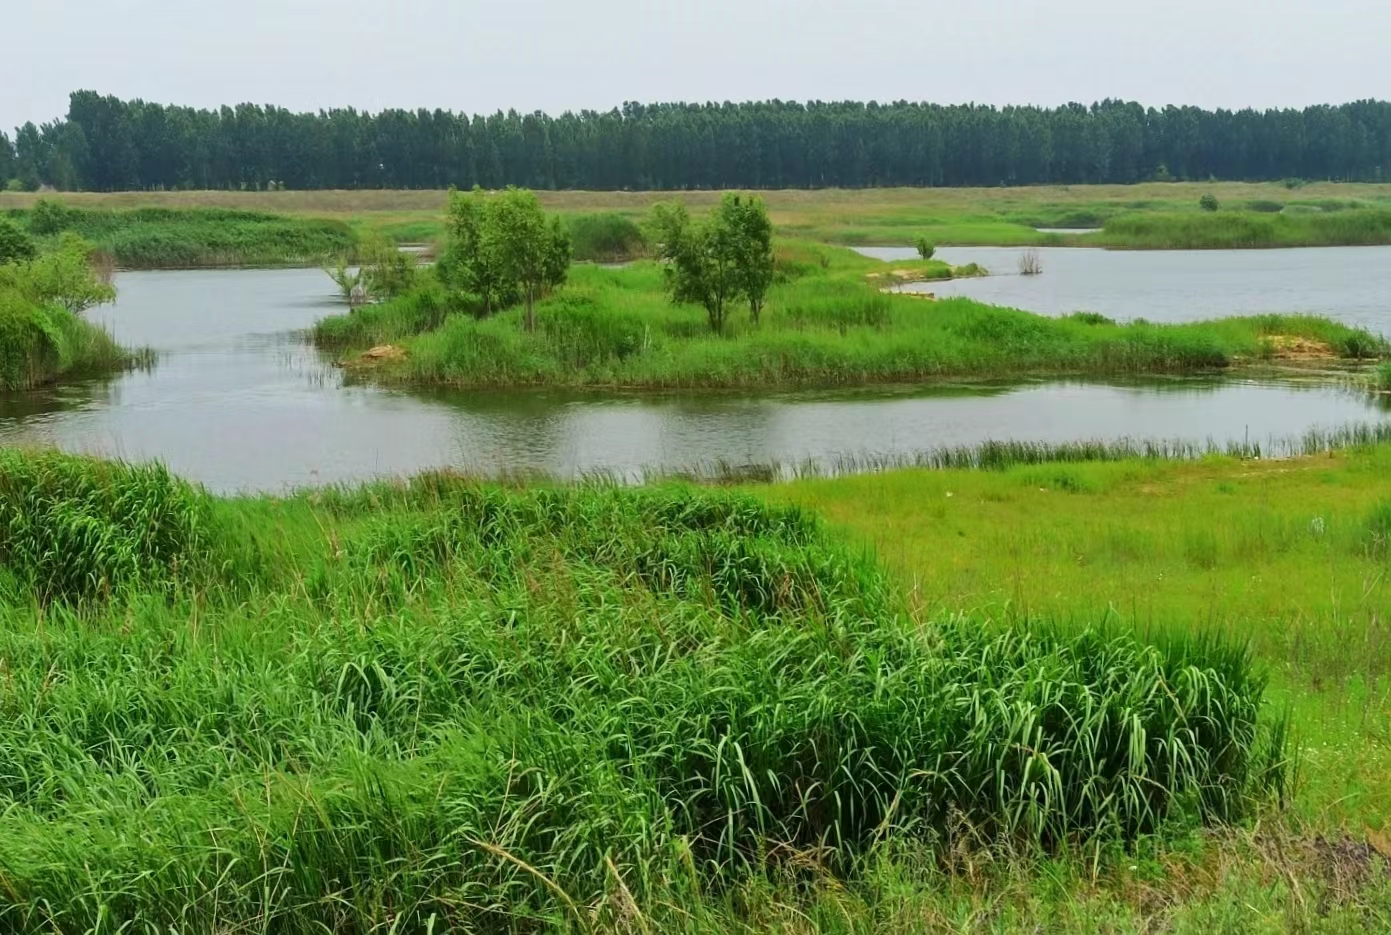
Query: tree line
x=109, y=144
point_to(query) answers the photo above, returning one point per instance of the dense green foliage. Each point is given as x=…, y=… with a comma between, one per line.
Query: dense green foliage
x=15, y=245
x=42, y=334
x=439, y=706
x=165, y=238
x=717, y=260
x=606, y=237
x=1232, y=229
x=502, y=250
x=824, y=326
x=107, y=144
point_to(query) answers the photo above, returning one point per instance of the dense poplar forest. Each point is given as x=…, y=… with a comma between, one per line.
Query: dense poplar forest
x=108, y=144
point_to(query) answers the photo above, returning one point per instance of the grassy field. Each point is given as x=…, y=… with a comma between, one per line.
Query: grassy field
x=1290, y=555
x=832, y=320
x=976, y=701
x=1004, y=216
x=438, y=706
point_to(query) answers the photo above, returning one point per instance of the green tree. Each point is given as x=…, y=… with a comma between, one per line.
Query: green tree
x=702, y=259
x=1208, y=203
x=469, y=264
x=531, y=253
x=748, y=218
x=926, y=248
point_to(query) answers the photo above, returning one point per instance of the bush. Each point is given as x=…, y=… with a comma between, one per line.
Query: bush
x=1208, y=203
x=15, y=245
x=605, y=238
x=49, y=217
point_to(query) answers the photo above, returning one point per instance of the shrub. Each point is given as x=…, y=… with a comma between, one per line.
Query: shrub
x=1208, y=202
x=605, y=238
x=15, y=245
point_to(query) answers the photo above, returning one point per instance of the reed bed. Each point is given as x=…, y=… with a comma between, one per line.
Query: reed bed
x=440, y=705
x=169, y=238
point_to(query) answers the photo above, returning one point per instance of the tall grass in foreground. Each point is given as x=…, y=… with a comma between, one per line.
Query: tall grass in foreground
x=437, y=705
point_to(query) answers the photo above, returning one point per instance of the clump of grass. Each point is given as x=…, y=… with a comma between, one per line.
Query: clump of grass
x=39, y=344
x=75, y=530
x=463, y=707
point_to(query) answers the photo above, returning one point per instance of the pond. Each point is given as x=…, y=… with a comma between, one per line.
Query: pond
x=1349, y=284
x=240, y=401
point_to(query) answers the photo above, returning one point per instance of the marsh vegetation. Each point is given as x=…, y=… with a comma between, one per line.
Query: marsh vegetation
x=45, y=289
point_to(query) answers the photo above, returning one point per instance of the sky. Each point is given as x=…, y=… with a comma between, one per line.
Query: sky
x=557, y=55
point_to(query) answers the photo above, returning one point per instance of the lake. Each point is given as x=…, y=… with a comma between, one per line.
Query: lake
x=1349, y=284
x=240, y=401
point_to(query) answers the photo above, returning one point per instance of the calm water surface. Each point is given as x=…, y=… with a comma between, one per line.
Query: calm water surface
x=240, y=401
x=1349, y=284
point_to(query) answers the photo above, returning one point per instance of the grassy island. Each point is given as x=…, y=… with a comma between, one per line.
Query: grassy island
x=833, y=318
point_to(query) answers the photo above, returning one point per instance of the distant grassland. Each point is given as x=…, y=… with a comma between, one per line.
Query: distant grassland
x=193, y=237
x=1003, y=216
x=1236, y=230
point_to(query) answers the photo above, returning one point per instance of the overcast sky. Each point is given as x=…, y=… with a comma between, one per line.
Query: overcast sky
x=555, y=55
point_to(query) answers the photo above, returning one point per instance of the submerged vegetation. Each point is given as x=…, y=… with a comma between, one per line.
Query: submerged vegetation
x=437, y=705
x=145, y=238
x=44, y=292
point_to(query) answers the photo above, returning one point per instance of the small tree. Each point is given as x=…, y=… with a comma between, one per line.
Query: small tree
x=748, y=218
x=529, y=252
x=1208, y=202
x=466, y=265
x=702, y=259
x=926, y=248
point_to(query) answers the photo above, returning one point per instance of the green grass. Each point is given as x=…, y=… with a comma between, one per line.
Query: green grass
x=1226, y=230
x=41, y=344
x=163, y=238
x=827, y=323
x=437, y=706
